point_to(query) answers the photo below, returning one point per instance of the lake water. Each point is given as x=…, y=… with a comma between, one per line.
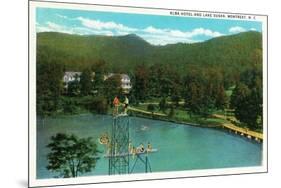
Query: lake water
x=180, y=147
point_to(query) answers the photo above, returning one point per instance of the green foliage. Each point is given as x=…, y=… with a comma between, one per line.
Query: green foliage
x=247, y=99
x=94, y=104
x=71, y=156
x=203, y=91
x=98, y=105
x=122, y=54
x=198, y=73
x=193, y=92
x=151, y=108
x=99, y=68
x=176, y=91
x=222, y=100
x=49, y=87
x=86, y=82
x=239, y=101
x=79, y=52
x=172, y=111
x=163, y=105
x=141, y=82
x=133, y=99
x=69, y=105
x=112, y=87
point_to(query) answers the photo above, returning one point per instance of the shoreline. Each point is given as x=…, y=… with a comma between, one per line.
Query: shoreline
x=226, y=126
x=155, y=116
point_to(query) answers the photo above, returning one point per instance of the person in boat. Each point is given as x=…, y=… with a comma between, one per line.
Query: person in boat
x=115, y=104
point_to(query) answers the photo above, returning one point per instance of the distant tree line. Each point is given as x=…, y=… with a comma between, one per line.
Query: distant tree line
x=202, y=88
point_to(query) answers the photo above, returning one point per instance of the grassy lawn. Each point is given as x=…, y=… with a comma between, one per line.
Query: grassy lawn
x=181, y=115
x=144, y=107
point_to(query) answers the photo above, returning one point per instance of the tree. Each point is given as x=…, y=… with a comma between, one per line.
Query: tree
x=141, y=82
x=176, y=88
x=168, y=81
x=49, y=86
x=112, y=87
x=163, y=105
x=239, y=101
x=151, y=108
x=69, y=105
x=176, y=97
x=247, y=100
x=221, y=98
x=172, y=111
x=153, y=81
x=163, y=81
x=166, y=86
x=244, y=102
x=86, y=82
x=71, y=156
x=98, y=105
x=99, y=68
x=194, y=92
x=204, y=91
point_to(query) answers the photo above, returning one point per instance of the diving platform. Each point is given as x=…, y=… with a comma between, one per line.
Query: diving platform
x=131, y=154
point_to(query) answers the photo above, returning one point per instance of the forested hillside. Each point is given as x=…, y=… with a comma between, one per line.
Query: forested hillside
x=122, y=53
x=200, y=74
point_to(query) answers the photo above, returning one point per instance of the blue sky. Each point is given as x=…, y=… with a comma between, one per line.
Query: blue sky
x=157, y=30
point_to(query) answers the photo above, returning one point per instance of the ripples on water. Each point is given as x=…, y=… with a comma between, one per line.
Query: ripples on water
x=181, y=147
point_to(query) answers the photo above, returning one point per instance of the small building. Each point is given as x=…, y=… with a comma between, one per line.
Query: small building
x=126, y=82
x=71, y=76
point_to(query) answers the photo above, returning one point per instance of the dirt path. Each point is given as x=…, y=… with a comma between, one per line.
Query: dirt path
x=146, y=112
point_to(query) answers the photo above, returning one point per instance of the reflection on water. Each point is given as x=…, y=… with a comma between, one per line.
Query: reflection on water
x=180, y=147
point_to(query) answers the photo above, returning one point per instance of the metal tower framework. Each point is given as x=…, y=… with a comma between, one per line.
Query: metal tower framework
x=119, y=144
x=144, y=160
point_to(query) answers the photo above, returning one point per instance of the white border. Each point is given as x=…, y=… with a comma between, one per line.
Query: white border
x=33, y=182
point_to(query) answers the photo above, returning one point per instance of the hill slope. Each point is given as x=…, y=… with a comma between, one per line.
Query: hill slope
x=123, y=53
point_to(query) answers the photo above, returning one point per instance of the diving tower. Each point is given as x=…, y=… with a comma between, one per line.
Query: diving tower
x=119, y=143
x=122, y=156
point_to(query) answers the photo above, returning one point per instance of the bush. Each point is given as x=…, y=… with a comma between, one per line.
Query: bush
x=69, y=106
x=163, y=105
x=151, y=108
x=172, y=111
x=175, y=99
x=98, y=105
x=133, y=99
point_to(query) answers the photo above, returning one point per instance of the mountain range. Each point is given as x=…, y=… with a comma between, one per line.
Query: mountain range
x=123, y=53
